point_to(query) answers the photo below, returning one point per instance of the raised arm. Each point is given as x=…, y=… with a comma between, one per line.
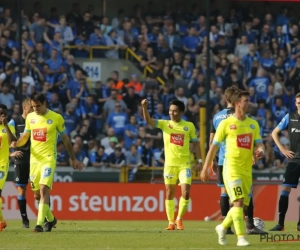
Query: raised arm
x=146, y=114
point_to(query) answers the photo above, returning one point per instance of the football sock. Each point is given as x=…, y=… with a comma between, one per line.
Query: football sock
x=43, y=210
x=1, y=215
x=183, y=205
x=170, y=210
x=249, y=215
x=22, y=207
x=224, y=205
x=227, y=222
x=283, y=206
x=238, y=220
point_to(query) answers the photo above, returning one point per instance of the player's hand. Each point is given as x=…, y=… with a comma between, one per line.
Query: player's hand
x=258, y=155
x=204, y=176
x=144, y=103
x=13, y=144
x=77, y=165
x=287, y=153
x=3, y=120
x=17, y=154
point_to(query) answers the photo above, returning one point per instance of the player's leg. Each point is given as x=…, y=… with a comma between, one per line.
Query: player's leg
x=46, y=181
x=238, y=193
x=170, y=180
x=224, y=198
x=291, y=178
x=298, y=225
x=3, y=176
x=21, y=181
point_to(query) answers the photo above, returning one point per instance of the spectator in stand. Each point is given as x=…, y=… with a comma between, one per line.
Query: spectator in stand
x=117, y=120
x=131, y=132
x=131, y=100
x=71, y=119
x=115, y=41
x=62, y=155
x=99, y=159
x=109, y=106
x=82, y=45
x=78, y=88
x=116, y=159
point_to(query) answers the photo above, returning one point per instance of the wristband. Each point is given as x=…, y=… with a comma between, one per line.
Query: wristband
x=200, y=161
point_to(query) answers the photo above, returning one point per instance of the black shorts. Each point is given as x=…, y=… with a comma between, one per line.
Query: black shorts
x=220, y=181
x=292, y=174
x=21, y=176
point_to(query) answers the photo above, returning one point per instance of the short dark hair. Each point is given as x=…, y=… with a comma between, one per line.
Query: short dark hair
x=2, y=106
x=178, y=103
x=229, y=92
x=38, y=97
x=237, y=95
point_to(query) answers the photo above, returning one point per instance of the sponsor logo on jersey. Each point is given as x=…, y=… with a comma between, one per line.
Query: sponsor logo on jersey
x=40, y=134
x=293, y=120
x=232, y=126
x=185, y=128
x=244, y=141
x=47, y=172
x=177, y=139
x=223, y=116
x=295, y=130
x=2, y=175
x=32, y=121
x=49, y=121
x=252, y=126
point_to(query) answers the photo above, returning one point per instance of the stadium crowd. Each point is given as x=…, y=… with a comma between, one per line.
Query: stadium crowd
x=256, y=52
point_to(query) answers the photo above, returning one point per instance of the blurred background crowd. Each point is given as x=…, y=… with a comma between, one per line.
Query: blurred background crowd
x=258, y=51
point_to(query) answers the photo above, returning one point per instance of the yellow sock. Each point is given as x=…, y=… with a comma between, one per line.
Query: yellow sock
x=1, y=215
x=227, y=222
x=43, y=210
x=183, y=205
x=170, y=210
x=238, y=220
x=49, y=215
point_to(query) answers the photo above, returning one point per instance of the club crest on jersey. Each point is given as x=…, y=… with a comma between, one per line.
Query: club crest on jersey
x=244, y=141
x=32, y=121
x=170, y=126
x=252, y=126
x=185, y=128
x=49, y=121
x=233, y=126
x=188, y=173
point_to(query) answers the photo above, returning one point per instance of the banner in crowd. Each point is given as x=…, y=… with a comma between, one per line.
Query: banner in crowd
x=117, y=201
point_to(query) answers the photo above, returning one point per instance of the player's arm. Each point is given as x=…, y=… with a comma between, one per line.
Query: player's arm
x=195, y=142
x=146, y=114
x=22, y=140
x=275, y=135
x=10, y=135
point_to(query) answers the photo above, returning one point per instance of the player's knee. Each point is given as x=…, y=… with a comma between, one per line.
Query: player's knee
x=185, y=194
x=238, y=203
x=44, y=190
x=37, y=197
x=286, y=189
x=22, y=191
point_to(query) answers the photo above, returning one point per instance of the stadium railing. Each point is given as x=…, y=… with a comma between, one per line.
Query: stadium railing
x=129, y=53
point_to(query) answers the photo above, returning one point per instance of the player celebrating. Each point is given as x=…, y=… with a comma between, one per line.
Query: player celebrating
x=22, y=163
x=177, y=135
x=292, y=170
x=4, y=153
x=42, y=127
x=240, y=134
x=224, y=199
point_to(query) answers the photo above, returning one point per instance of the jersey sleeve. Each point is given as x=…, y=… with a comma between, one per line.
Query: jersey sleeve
x=27, y=125
x=12, y=129
x=193, y=135
x=160, y=124
x=257, y=136
x=12, y=122
x=61, y=128
x=284, y=122
x=220, y=134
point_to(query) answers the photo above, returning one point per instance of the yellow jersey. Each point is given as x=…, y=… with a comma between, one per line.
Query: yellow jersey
x=240, y=138
x=4, y=144
x=44, y=130
x=177, y=138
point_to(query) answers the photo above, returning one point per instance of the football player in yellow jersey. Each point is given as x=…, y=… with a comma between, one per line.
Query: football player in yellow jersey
x=178, y=134
x=241, y=135
x=4, y=155
x=42, y=127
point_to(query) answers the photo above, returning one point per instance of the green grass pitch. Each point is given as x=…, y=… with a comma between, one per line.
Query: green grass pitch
x=130, y=235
